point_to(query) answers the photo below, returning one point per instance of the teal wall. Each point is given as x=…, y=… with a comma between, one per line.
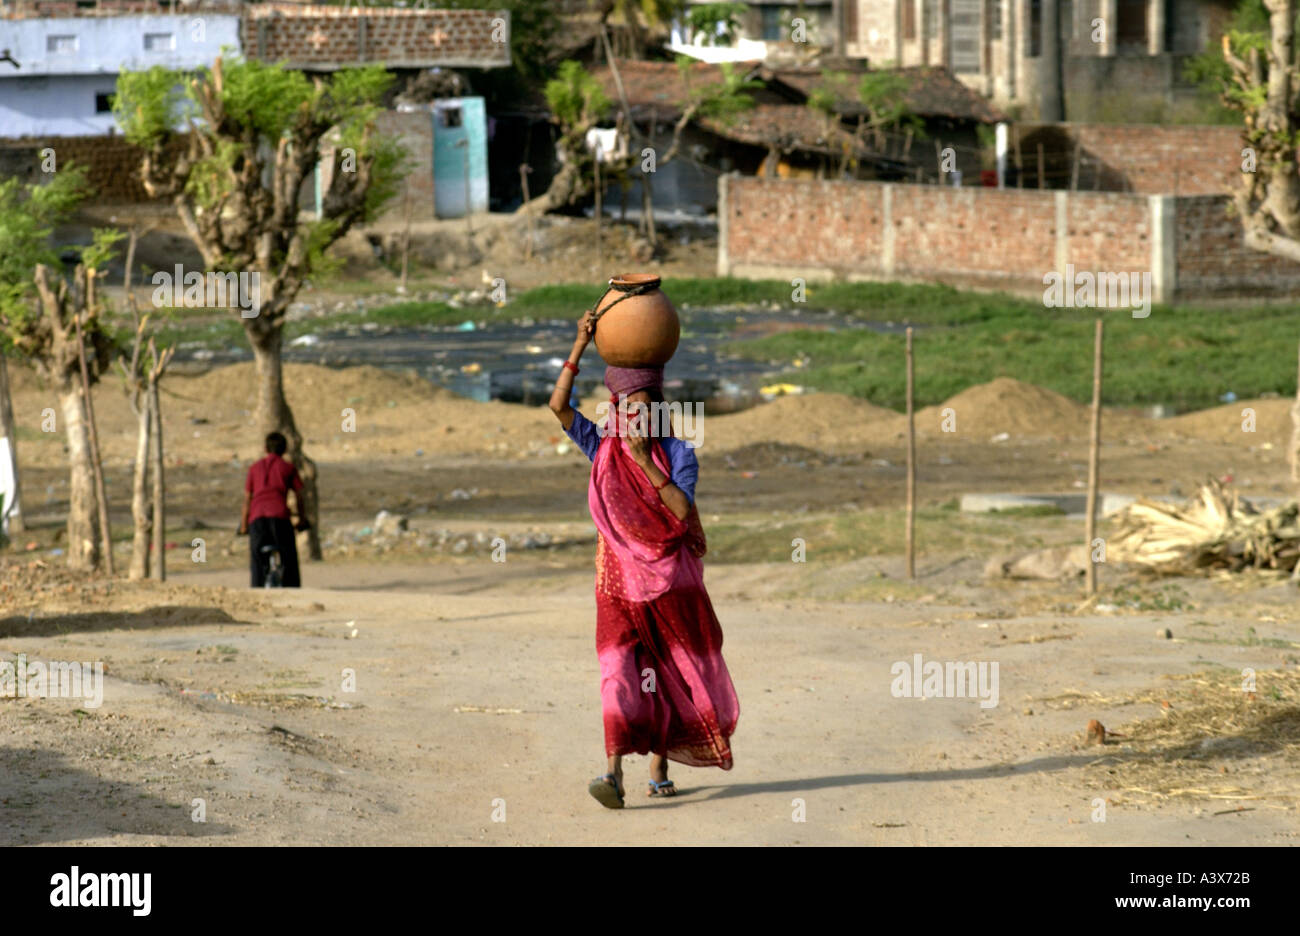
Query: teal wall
x=449, y=156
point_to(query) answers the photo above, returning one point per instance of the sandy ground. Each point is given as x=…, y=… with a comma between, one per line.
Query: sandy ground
x=477, y=685
x=476, y=696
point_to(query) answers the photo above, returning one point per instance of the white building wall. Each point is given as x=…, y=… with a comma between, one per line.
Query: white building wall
x=54, y=105
x=66, y=61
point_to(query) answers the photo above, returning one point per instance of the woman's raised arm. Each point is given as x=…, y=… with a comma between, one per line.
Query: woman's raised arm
x=564, y=384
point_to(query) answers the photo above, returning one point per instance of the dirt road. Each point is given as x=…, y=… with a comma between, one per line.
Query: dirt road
x=477, y=696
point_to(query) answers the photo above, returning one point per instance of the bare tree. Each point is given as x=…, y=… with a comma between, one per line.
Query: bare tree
x=54, y=346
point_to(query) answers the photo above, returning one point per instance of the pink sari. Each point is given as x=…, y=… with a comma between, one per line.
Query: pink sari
x=664, y=687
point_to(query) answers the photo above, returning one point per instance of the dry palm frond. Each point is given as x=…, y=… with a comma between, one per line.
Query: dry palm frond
x=1213, y=530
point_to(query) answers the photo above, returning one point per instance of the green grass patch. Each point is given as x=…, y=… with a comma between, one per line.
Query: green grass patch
x=1184, y=357
x=871, y=533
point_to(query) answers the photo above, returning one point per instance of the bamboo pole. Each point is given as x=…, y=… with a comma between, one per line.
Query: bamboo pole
x=910, y=544
x=1074, y=168
x=1094, y=458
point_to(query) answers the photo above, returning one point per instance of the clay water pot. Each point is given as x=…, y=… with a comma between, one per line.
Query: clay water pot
x=640, y=330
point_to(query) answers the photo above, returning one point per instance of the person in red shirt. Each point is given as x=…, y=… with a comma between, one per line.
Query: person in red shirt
x=266, y=520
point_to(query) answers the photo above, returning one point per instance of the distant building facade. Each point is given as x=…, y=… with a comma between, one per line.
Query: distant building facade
x=995, y=46
x=68, y=66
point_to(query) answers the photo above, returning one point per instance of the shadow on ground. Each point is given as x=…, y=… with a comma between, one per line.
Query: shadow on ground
x=44, y=799
x=87, y=622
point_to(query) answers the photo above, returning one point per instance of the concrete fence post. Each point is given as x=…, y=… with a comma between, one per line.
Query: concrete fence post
x=1063, y=233
x=1164, y=262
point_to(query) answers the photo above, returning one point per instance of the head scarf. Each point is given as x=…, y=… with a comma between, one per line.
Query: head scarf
x=622, y=381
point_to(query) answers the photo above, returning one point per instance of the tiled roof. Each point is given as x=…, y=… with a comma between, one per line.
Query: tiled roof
x=787, y=127
x=932, y=91
x=659, y=86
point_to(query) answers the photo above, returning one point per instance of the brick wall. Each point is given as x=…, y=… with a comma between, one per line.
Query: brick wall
x=331, y=37
x=1165, y=160
x=112, y=164
x=987, y=238
x=1213, y=260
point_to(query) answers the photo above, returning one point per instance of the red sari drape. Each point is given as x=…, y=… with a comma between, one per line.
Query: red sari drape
x=664, y=687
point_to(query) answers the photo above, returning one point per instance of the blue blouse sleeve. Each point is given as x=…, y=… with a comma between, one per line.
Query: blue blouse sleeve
x=584, y=434
x=685, y=468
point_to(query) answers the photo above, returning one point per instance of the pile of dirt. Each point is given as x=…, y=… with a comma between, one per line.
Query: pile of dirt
x=366, y=412
x=36, y=594
x=1224, y=423
x=820, y=421
x=1020, y=410
x=1006, y=405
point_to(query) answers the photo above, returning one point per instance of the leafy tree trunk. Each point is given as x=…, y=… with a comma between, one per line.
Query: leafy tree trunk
x=274, y=415
x=236, y=191
x=9, y=431
x=1268, y=199
x=1263, y=88
x=567, y=186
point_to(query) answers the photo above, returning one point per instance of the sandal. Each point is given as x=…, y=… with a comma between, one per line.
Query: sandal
x=664, y=788
x=605, y=791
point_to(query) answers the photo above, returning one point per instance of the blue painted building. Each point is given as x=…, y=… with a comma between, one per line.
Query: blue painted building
x=69, y=65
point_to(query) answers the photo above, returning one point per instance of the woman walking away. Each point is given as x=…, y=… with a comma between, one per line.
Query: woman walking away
x=266, y=518
x=664, y=688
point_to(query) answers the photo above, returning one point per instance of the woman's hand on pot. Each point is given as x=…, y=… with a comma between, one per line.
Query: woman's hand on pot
x=586, y=328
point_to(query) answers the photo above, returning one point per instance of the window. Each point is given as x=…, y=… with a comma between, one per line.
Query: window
x=775, y=23
x=964, y=36
x=927, y=19
x=104, y=103
x=909, y=19
x=995, y=18
x=159, y=42
x=1035, y=28
x=61, y=45
x=1132, y=26
x=451, y=116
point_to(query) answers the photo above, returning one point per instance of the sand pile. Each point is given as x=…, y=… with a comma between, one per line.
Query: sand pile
x=822, y=421
x=1224, y=423
x=1022, y=411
